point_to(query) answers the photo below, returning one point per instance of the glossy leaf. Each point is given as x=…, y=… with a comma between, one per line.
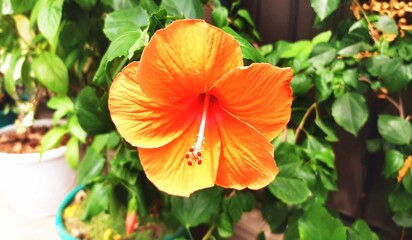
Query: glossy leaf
x=52, y=138
x=289, y=190
x=72, y=152
x=400, y=200
x=199, y=208
x=49, y=18
x=248, y=51
x=91, y=166
x=125, y=20
x=317, y=224
x=394, y=129
x=300, y=84
x=324, y=8
x=225, y=226
x=386, y=24
x=350, y=112
x=403, y=219
x=92, y=114
x=98, y=200
x=393, y=162
x=328, y=130
x=50, y=71
x=219, y=16
x=360, y=231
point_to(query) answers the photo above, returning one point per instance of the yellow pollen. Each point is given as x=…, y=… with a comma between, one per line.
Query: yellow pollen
x=195, y=153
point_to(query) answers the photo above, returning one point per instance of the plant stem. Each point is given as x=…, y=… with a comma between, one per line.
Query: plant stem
x=302, y=122
x=188, y=231
x=209, y=233
x=400, y=104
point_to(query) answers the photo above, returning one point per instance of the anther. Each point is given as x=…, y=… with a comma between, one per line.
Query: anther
x=189, y=163
x=199, y=154
x=199, y=162
x=191, y=149
x=187, y=156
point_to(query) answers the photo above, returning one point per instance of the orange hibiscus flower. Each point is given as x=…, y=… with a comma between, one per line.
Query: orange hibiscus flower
x=197, y=115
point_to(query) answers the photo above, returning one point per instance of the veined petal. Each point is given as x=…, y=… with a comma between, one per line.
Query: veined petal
x=259, y=95
x=142, y=122
x=168, y=168
x=185, y=59
x=246, y=157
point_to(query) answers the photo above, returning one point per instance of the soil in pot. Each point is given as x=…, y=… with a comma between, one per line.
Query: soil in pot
x=26, y=142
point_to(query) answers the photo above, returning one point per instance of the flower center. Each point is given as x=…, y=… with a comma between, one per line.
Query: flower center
x=195, y=153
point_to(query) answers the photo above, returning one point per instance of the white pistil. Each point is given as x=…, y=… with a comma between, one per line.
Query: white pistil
x=203, y=122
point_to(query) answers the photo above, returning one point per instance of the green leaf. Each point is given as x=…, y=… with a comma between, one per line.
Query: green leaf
x=323, y=84
x=92, y=114
x=52, y=138
x=403, y=219
x=199, y=208
x=319, y=150
x=394, y=129
x=18, y=6
x=327, y=129
x=324, y=8
x=219, y=16
x=386, y=24
x=350, y=112
x=405, y=51
x=72, y=152
x=322, y=37
x=123, y=21
x=289, y=190
x=300, y=84
x=400, y=200
x=62, y=106
x=300, y=48
x=393, y=162
x=49, y=18
x=248, y=51
x=243, y=13
x=247, y=200
x=108, y=140
x=75, y=129
x=317, y=224
x=350, y=78
x=51, y=72
x=233, y=207
x=98, y=200
x=322, y=54
x=225, y=226
x=395, y=74
x=91, y=166
x=407, y=181
x=375, y=64
x=156, y=21
x=121, y=45
x=186, y=8
x=360, y=231
x=275, y=213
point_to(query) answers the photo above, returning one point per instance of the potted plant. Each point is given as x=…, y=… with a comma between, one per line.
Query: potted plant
x=40, y=151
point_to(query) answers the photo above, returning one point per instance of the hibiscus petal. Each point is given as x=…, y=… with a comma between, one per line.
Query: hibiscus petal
x=168, y=168
x=246, y=158
x=185, y=59
x=259, y=95
x=141, y=121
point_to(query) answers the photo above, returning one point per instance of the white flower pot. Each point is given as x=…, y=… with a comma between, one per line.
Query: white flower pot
x=35, y=187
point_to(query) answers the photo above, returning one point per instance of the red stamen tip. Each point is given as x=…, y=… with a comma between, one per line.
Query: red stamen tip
x=199, y=154
x=187, y=156
x=199, y=162
x=191, y=149
x=189, y=163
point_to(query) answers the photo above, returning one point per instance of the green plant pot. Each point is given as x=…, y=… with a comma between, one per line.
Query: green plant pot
x=64, y=235
x=61, y=229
